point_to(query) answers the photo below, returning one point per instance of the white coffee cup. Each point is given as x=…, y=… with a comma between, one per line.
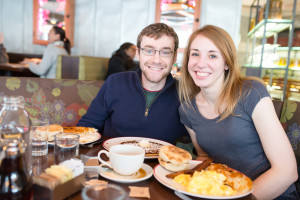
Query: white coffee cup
x=124, y=159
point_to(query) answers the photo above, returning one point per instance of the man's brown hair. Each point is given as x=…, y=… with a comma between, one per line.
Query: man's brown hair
x=156, y=31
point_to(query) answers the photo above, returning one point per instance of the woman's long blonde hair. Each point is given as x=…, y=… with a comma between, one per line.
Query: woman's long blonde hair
x=233, y=80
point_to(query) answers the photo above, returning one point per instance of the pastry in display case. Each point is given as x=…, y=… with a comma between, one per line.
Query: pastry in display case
x=276, y=62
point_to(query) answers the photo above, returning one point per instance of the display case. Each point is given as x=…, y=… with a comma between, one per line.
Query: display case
x=277, y=65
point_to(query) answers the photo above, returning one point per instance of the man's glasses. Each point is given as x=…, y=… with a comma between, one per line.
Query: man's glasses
x=162, y=53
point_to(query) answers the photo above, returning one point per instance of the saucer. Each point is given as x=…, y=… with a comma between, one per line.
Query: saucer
x=144, y=173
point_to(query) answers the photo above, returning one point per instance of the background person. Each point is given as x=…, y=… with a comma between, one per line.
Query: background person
x=3, y=54
x=58, y=45
x=232, y=118
x=141, y=103
x=122, y=59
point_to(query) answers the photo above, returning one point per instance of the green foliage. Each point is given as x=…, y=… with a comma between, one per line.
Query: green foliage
x=87, y=93
x=288, y=111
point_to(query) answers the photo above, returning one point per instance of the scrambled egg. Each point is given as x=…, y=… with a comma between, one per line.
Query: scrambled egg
x=183, y=179
x=205, y=183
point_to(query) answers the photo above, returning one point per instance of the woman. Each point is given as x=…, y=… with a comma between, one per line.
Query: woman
x=122, y=59
x=232, y=118
x=58, y=45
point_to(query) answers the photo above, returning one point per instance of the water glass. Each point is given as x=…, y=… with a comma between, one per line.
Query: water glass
x=38, y=133
x=39, y=164
x=66, y=146
x=103, y=192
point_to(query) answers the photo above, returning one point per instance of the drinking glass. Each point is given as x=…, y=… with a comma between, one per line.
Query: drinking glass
x=38, y=133
x=103, y=192
x=66, y=146
x=39, y=164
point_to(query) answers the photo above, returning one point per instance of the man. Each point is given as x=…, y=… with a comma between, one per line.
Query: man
x=142, y=103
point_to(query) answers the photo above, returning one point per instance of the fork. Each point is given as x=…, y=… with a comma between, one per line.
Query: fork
x=182, y=196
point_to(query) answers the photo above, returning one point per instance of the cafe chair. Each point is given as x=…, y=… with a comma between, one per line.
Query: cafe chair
x=67, y=67
x=81, y=67
x=92, y=68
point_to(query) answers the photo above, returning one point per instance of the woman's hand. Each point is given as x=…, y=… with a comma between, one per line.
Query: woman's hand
x=36, y=60
x=29, y=60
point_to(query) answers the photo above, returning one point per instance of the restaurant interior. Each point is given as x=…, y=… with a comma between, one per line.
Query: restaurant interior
x=267, y=40
x=97, y=28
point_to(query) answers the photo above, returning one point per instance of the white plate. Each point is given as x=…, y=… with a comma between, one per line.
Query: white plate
x=88, y=138
x=111, y=175
x=118, y=140
x=160, y=174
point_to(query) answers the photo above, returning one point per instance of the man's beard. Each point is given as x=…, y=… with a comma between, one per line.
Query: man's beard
x=154, y=80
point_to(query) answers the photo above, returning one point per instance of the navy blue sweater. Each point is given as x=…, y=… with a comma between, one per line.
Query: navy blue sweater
x=119, y=109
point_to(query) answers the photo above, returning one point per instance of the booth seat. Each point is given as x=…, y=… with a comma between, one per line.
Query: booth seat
x=81, y=67
x=72, y=67
x=290, y=120
x=58, y=101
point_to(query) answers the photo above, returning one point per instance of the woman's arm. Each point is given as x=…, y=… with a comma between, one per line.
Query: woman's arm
x=46, y=63
x=202, y=155
x=283, y=171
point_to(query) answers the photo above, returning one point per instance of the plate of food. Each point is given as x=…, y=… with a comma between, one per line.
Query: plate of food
x=200, y=179
x=151, y=146
x=53, y=130
x=87, y=134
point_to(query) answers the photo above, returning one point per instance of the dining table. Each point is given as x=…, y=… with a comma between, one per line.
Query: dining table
x=157, y=190
x=16, y=69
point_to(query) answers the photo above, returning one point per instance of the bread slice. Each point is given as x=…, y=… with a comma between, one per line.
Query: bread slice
x=172, y=167
x=174, y=158
x=174, y=155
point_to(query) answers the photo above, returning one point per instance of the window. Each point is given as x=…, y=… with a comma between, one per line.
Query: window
x=182, y=15
x=47, y=13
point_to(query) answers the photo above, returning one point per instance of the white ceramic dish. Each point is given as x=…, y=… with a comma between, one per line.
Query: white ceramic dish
x=160, y=174
x=85, y=139
x=137, y=177
x=89, y=138
x=118, y=140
